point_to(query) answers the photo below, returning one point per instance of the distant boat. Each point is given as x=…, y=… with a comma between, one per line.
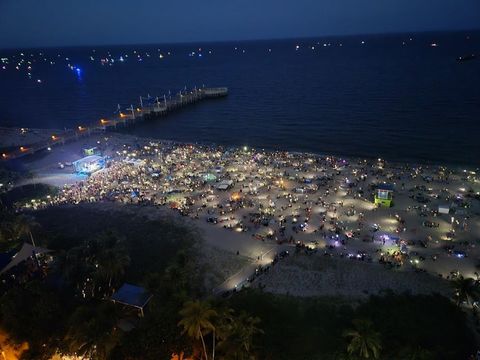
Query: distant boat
x=466, y=57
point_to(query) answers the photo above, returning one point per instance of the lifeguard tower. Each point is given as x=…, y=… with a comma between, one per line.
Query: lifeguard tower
x=91, y=151
x=384, y=195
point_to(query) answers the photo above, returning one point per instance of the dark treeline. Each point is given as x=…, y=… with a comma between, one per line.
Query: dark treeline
x=67, y=309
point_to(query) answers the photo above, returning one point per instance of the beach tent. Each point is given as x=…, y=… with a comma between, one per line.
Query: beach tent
x=386, y=238
x=209, y=177
x=224, y=185
x=132, y=295
x=16, y=258
x=443, y=209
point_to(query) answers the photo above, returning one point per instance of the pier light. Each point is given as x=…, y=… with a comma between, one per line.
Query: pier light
x=122, y=115
x=23, y=148
x=81, y=128
x=139, y=110
x=54, y=137
x=4, y=155
x=103, y=121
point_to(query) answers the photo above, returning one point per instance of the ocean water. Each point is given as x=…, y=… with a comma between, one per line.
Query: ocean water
x=398, y=97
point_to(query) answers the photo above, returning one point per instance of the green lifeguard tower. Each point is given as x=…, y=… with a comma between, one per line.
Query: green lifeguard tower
x=384, y=195
x=91, y=151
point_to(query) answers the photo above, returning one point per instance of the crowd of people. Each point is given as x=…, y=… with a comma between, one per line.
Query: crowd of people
x=317, y=202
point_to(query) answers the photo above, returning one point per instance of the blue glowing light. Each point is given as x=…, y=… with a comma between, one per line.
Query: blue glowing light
x=77, y=71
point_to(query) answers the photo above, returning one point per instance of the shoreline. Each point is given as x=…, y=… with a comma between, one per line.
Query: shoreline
x=12, y=137
x=125, y=134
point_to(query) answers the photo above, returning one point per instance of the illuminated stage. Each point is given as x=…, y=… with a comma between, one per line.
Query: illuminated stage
x=90, y=164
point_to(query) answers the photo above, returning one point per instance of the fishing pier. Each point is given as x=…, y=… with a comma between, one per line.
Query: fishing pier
x=149, y=108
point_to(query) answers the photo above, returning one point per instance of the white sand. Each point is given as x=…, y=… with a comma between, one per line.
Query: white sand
x=310, y=275
x=16, y=137
x=331, y=195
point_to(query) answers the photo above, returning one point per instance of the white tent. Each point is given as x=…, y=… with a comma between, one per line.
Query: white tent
x=224, y=184
x=443, y=209
x=23, y=254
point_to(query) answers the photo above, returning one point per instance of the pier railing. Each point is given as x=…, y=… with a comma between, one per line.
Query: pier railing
x=148, y=108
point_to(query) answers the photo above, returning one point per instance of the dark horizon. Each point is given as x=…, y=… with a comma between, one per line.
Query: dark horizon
x=55, y=23
x=466, y=31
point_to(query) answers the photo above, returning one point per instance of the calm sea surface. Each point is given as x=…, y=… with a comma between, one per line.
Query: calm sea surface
x=396, y=96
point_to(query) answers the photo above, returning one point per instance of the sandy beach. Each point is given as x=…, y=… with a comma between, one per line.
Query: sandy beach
x=253, y=202
x=14, y=137
x=308, y=276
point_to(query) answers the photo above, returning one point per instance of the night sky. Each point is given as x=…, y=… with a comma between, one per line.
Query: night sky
x=37, y=23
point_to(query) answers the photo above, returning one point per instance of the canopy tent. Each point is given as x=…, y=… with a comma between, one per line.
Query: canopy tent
x=443, y=209
x=386, y=238
x=209, y=177
x=23, y=254
x=224, y=184
x=132, y=295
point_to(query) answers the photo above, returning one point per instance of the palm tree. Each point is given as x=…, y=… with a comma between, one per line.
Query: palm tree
x=97, y=264
x=224, y=322
x=75, y=268
x=92, y=331
x=107, y=258
x=466, y=290
x=196, y=321
x=223, y=325
x=415, y=353
x=23, y=225
x=14, y=227
x=112, y=264
x=237, y=342
x=364, y=340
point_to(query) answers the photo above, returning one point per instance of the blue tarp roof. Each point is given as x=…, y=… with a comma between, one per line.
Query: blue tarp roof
x=132, y=295
x=385, y=187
